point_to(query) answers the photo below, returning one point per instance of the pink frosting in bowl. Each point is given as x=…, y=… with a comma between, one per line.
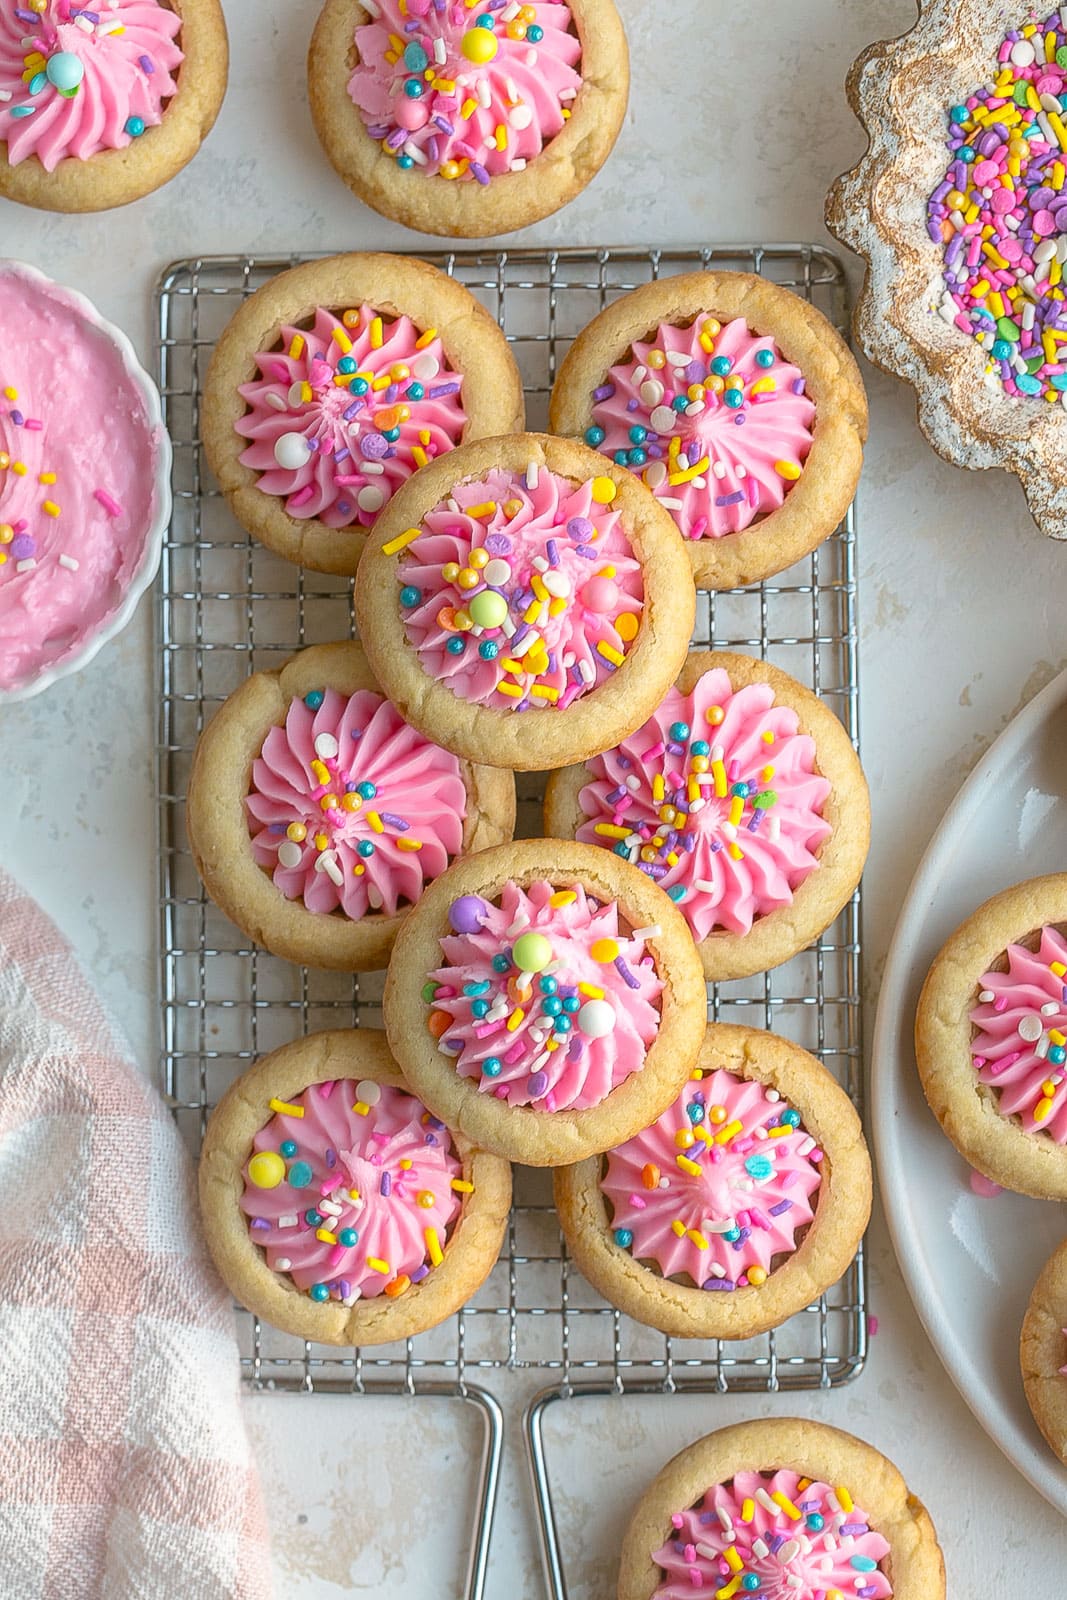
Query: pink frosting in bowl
x=1019, y=1037
x=84, y=481
x=351, y=810
x=345, y=411
x=451, y=97
x=565, y=1030
x=121, y=56
x=717, y=799
x=522, y=590
x=713, y=418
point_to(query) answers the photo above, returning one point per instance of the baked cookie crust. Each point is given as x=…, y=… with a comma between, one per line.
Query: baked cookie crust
x=915, y=1565
x=780, y=934
x=816, y=504
x=1043, y=1351
x=996, y=1146
x=218, y=828
x=536, y=740
x=117, y=177
x=396, y=285
x=841, y=1213
x=542, y=1138
x=461, y=210
x=469, y=1255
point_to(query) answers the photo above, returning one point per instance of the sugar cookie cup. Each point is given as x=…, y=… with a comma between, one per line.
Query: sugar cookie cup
x=468, y=1187
x=986, y=1065
x=801, y=775
x=525, y=574
x=590, y=1051
x=838, y=1466
x=147, y=159
x=1043, y=1352
x=504, y=196
x=254, y=800
x=787, y=478
x=271, y=397
x=631, y=1253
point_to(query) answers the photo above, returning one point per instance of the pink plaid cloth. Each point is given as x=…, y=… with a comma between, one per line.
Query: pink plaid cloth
x=124, y=1466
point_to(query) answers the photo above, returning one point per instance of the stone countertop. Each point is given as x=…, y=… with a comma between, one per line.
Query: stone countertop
x=747, y=156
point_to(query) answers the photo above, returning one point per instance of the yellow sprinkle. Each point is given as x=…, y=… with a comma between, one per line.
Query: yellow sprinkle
x=46, y=477
x=468, y=108
x=780, y=1130
x=1056, y=124
x=844, y=1499
x=11, y=393
x=376, y=333
x=433, y=1247
x=730, y=1131
x=562, y=897
x=376, y=1264
x=512, y=690
x=341, y=338
x=401, y=541
x=485, y=510
x=688, y=1166
x=1042, y=1109
x=361, y=1108
x=375, y=821
x=733, y=1560
x=1056, y=1036
x=321, y=771
x=787, y=1505
x=424, y=437
x=787, y=469
x=591, y=991
x=381, y=383
x=516, y=1018
x=728, y=1590
x=283, y=1108
x=321, y=841
x=408, y=844
x=736, y=853
x=50, y=507
x=509, y=664
x=767, y=737
x=532, y=611
x=748, y=1511
x=1058, y=969
x=501, y=136
x=461, y=1186
x=691, y=473
x=737, y=806
x=418, y=455
x=425, y=338
x=678, y=1228
x=325, y=1235
x=697, y=1238
x=609, y=653
x=718, y=772
x=543, y=691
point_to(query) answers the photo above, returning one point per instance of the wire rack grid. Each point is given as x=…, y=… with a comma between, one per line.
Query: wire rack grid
x=227, y=607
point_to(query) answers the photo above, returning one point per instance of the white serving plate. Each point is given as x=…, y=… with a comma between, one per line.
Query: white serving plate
x=970, y=1262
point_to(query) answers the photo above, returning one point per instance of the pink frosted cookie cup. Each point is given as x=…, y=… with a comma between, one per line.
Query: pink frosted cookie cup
x=471, y=127
x=117, y=100
x=336, y=381
x=810, y=1511
x=1043, y=1352
x=545, y=999
x=335, y=1206
x=316, y=815
x=525, y=602
x=84, y=492
x=738, y=1207
x=736, y=402
x=742, y=797
x=991, y=1038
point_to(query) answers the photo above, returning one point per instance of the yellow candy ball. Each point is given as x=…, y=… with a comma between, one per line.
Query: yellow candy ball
x=656, y=359
x=296, y=832
x=450, y=571
x=604, y=951
x=351, y=802
x=626, y=626
x=479, y=45
x=604, y=491
x=266, y=1170
x=715, y=715
x=479, y=558
x=717, y=1114
x=488, y=609
x=468, y=578
x=7, y=533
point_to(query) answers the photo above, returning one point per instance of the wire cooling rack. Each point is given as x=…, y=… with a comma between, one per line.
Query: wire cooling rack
x=228, y=607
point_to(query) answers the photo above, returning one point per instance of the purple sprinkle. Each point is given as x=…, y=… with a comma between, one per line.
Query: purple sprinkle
x=434, y=1122
x=343, y=454
x=479, y=172
x=442, y=390
x=587, y=552
x=145, y=62
x=739, y=419
x=259, y=1223
x=625, y=974
x=797, y=385
x=854, y=1529
x=552, y=551
x=444, y=125
x=716, y=845
x=776, y=1542
x=331, y=1159
x=380, y=129
x=730, y=499
x=27, y=16
x=344, y=1288
x=431, y=1138
x=395, y=821
x=783, y=1205
x=385, y=1184
x=605, y=391
x=537, y=1085
x=396, y=139
x=576, y=1048
x=344, y=507
x=433, y=149
x=519, y=635
x=720, y=1283
x=633, y=405
x=17, y=418
x=277, y=827
x=419, y=1273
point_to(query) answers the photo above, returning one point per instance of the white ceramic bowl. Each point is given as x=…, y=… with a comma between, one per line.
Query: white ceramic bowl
x=146, y=545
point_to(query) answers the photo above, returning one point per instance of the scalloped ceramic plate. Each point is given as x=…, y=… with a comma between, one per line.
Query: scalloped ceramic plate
x=969, y=1262
x=901, y=89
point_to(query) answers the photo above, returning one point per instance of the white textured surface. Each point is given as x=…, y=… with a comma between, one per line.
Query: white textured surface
x=962, y=618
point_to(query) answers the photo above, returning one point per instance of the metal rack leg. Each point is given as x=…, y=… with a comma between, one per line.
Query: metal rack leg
x=547, y=1532
x=488, y=1486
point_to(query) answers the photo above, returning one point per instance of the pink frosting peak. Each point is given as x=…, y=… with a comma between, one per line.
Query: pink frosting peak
x=522, y=590
x=566, y=1029
x=446, y=96
x=718, y=1188
x=716, y=798
x=396, y=818
x=351, y=1189
x=99, y=75
x=715, y=420
x=360, y=401
x=1019, y=1046
x=810, y=1543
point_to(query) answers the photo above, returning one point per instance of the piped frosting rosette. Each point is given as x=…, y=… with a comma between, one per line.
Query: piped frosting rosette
x=76, y=80
x=350, y=808
x=543, y=998
x=522, y=590
x=464, y=95
x=1019, y=1040
x=346, y=410
x=718, y=1187
x=712, y=416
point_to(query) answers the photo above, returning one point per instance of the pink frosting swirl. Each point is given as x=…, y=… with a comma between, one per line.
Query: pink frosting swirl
x=716, y=798
x=120, y=54
x=357, y=1192
x=361, y=402
x=563, y=1036
x=729, y=452
x=733, y=1166
x=447, y=97
x=519, y=587
x=397, y=816
x=1019, y=1045
x=810, y=1543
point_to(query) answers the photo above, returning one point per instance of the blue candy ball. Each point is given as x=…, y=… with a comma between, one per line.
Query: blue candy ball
x=319, y=1291
x=621, y=458
x=734, y=398
x=741, y=791
x=695, y=1112
x=456, y=645
x=958, y=114
x=721, y=366
x=679, y=402
x=815, y=1521
x=792, y=1117
x=700, y=747
x=750, y=1581
x=1001, y=350
x=365, y=847
x=367, y=789
x=410, y=596
x=348, y=1237
x=347, y=364
x=638, y=435
x=64, y=70
x=488, y=649
x=313, y=1218
x=358, y=386
x=314, y=699
x=765, y=358
x=416, y=391
x=405, y=162
x=479, y=1008
x=965, y=153
x=552, y=1005
x=135, y=127
x=679, y=731
x=535, y=33
x=623, y=1238
x=287, y=1148
x=547, y=984
x=491, y=1067
x=563, y=1024
x=572, y=1004
x=638, y=458
x=415, y=57
x=300, y=1174
x=501, y=963
x=414, y=88
x=485, y=21
x=392, y=434
x=594, y=437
